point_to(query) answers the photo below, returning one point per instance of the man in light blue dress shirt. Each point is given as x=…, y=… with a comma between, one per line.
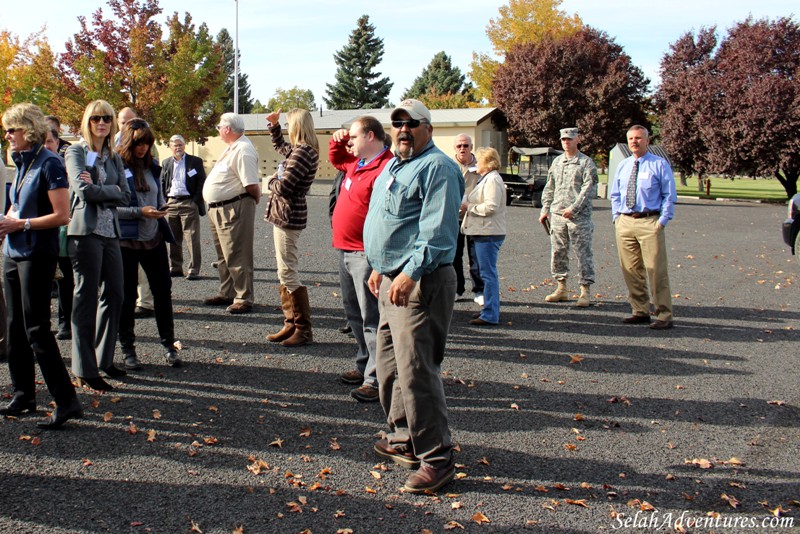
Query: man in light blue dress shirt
x=642, y=203
x=410, y=239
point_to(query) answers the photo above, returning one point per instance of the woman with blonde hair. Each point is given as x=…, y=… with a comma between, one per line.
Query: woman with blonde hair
x=287, y=210
x=485, y=223
x=98, y=186
x=38, y=205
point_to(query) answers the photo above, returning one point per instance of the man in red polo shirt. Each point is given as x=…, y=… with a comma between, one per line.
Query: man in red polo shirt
x=362, y=154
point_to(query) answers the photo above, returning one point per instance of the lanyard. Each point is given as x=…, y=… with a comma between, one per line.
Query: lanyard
x=20, y=183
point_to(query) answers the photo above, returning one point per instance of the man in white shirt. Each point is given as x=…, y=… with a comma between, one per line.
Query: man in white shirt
x=232, y=191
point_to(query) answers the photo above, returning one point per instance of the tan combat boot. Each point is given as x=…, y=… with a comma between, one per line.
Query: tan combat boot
x=584, y=300
x=560, y=294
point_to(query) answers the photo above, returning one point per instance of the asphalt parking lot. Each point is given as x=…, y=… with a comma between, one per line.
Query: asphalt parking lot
x=566, y=419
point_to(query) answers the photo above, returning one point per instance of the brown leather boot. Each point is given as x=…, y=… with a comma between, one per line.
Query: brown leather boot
x=302, y=319
x=288, y=314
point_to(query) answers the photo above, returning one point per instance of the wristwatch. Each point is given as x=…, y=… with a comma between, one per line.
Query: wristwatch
x=27, y=224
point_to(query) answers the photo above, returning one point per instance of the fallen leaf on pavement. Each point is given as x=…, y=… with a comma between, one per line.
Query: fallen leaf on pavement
x=479, y=518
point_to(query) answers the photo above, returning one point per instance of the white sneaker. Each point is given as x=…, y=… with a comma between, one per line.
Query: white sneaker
x=478, y=300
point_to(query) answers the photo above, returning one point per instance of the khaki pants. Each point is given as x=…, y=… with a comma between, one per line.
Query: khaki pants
x=183, y=217
x=642, y=249
x=286, y=256
x=233, y=229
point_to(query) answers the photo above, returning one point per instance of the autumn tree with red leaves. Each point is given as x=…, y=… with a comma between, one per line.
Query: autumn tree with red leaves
x=754, y=102
x=171, y=83
x=583, y=79
x=682, y=102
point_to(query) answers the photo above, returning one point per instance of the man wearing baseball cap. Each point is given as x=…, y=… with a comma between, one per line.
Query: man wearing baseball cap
x=567, y=202
x=409, y=239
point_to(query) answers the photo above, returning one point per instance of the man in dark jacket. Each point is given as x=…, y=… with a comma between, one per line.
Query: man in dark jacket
x=182, y=178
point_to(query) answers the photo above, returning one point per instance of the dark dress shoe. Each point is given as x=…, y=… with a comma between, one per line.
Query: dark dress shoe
x=192, y=277
x=637, y=319
x=481, y=322
x=64, y=333
x=61, y=415
x=399, y=453
x=172, y=358
x=141, y=313
x=114, y=372
x=175, y=274
x=218, y=300
x=132, y=362
x=346, y=329
x=18, y=406
x=96, y=383
x=661, y=325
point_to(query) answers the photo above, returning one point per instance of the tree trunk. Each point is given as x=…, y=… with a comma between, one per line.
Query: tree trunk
x=700, y=184
x=683, y=178
x=789, y=182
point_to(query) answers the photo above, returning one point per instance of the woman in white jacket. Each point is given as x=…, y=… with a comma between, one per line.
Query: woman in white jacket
x=485, y=223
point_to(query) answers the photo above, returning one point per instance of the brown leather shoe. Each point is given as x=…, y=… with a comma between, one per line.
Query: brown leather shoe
x=218, y=300
x=480, y=322
x=429, y=479
x=637, y=319
x=239, y=307
x=352, y=378
x=365, y=393
x=401, y=455
x=661, y=325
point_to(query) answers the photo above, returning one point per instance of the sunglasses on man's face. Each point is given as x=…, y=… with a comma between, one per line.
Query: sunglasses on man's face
x=105, y=118
x=462, y=146
x=411, y=123
x=12, y=131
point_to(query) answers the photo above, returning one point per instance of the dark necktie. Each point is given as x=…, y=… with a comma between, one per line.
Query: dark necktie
x=630, y=196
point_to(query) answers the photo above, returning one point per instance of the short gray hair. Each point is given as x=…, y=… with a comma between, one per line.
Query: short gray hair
x=642, y=128
x=234, y=121
x=177, y=137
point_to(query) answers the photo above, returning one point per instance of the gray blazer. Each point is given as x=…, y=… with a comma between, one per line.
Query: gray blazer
x=84, y=198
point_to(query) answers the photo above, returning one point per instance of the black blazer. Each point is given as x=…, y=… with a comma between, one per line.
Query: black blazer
x=193, y=183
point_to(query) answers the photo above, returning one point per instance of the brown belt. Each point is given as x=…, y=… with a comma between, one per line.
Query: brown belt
x=229, y=201
x=642, y=214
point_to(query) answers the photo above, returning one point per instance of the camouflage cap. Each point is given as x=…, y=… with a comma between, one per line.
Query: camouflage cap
x=569, y=133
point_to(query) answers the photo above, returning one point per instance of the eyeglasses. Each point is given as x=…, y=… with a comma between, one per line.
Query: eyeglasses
x=220, y=126
x=411, y=123
x=462, y=146
x=12, y=131
x=105, y=118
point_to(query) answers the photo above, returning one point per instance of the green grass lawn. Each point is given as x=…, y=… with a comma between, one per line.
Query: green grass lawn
x=740, y=188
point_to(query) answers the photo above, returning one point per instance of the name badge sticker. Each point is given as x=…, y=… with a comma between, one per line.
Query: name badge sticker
x=347, y=183
x=191, y=173
x=128, y=173
x=389, y=183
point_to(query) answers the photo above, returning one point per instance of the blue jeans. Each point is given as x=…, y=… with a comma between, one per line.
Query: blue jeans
x=361, y=310
x=487, y=248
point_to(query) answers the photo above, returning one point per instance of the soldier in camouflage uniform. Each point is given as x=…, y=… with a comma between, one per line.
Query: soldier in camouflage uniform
x=567, y=202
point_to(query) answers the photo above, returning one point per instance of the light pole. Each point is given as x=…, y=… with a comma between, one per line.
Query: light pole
x=236, y=63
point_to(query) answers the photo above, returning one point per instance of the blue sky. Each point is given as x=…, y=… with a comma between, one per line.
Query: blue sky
x=284, y=44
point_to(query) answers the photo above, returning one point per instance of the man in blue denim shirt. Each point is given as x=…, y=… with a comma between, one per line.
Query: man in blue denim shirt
x=642, y=203
x=410, y=238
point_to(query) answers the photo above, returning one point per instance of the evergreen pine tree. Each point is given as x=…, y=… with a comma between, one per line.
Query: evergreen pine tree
x=357, y=85
x=245, y=100
x=439, y=75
